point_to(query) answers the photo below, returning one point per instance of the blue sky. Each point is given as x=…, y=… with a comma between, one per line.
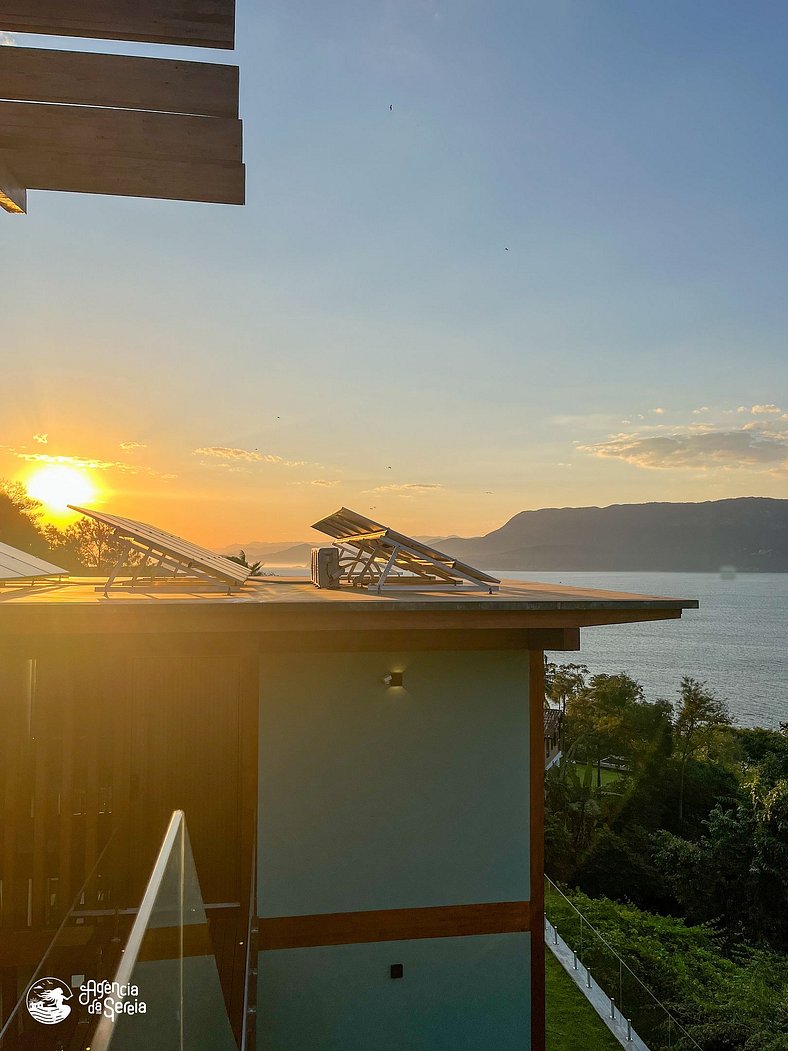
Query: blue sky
x=574, y=216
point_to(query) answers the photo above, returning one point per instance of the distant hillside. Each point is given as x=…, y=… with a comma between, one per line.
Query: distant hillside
x=750, y=533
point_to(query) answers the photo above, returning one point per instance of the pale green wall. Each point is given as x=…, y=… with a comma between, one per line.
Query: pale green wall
x=457, y=994
x=376, y=798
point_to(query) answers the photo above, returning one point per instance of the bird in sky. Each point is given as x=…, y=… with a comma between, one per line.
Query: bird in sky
x=391, y=108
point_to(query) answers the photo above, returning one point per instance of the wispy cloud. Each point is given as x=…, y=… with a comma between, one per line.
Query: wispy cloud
x=88, y=463
x=704, y=448
x=324, y=483
x=760, y=410
x=407, y=488
x=659, y=411
x=223, y=452
x=765, y=410
x=701, y=410
x=42, y=439
x=130, y=446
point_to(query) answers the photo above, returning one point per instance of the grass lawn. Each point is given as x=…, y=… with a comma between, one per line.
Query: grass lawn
x=608, y=776
x=572, y=1023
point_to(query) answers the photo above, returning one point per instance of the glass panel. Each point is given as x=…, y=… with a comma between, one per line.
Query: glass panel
x=166, y=992
x=121, y=978
x=87, y=946
x=597, y=964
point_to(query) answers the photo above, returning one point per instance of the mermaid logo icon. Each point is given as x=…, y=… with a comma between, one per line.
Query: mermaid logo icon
x=46, y=1000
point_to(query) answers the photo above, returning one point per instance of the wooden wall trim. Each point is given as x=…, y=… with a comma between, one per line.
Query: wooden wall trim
x=192, y=23
x=164, y=943
x=536, y=722
x=81, y=79
x=249, y=643
x=382, y=925
x=31, y=618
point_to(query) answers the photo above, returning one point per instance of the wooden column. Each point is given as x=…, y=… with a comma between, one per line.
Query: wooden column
x=536, y=703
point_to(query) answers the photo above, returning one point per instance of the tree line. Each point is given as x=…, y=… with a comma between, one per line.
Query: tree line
x=669, y=809
x=83, y=546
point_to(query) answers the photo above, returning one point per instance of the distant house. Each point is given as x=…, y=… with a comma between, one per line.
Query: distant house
x=361, y=772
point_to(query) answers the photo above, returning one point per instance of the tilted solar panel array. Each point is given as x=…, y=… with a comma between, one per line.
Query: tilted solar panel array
x=149, y=539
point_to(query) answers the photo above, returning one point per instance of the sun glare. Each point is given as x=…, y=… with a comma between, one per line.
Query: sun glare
x=58, y=486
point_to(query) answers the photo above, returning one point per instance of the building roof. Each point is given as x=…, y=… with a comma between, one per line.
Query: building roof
x=280, y=603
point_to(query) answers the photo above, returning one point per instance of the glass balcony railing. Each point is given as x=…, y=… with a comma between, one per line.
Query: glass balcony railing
x=628, y=1002
x=124, y=979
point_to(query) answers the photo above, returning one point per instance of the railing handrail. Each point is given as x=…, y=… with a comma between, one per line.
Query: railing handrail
x=623, y=963
x=248, y=1043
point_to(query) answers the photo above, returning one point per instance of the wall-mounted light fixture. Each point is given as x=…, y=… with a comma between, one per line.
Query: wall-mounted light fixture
x=394, y=678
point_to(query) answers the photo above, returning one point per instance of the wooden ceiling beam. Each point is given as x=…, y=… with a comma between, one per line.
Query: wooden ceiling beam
x=27, y=127
x=89, y=172
x=13, y=196
x=73, y=78
x=191, y=23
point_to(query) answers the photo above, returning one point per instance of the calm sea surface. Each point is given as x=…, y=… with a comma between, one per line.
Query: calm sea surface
x=737, y=642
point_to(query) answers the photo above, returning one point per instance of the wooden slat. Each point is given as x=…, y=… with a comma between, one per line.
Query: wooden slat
x=195, y=23
x=382, y=925
x=74, y=78
x=132, y=177
x=13, y=196
x=30, y=126
x=24, y=949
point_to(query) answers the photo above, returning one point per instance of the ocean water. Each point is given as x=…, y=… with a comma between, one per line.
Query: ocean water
x=737, y=642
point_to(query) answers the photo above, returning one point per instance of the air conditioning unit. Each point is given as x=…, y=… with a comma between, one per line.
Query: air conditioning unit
x=326, y=572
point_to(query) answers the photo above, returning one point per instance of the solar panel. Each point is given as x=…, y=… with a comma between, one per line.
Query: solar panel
x=20, y=565
x=377, y=557
x=164, y=551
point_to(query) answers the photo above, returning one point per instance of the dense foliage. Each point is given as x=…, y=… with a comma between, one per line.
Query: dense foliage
x=84, y=546
x=686, y=844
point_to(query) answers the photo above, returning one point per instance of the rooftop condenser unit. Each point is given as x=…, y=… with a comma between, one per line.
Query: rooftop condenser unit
x=326, y=571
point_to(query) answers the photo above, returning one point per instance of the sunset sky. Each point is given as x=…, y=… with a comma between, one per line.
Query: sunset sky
x=553, y=275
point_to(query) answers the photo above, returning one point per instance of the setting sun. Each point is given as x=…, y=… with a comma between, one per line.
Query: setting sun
x=57, y=486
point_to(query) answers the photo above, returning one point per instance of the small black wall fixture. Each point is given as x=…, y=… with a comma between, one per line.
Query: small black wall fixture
x=394, y=678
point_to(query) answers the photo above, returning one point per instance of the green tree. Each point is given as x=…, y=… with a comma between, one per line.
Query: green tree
x=86, y=545
x=699, y=719
x=240, y=558
x=19, y=519
x=563, y=681
x=599, y=718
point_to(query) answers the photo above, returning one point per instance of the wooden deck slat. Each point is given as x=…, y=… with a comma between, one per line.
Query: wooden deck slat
x=195, y=23
x=74, y=78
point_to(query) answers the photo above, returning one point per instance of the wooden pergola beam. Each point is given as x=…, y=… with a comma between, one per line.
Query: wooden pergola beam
x=79, y=130
x=13, y=196
x=209, y=182
x=192, y=23
x=163, y=85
